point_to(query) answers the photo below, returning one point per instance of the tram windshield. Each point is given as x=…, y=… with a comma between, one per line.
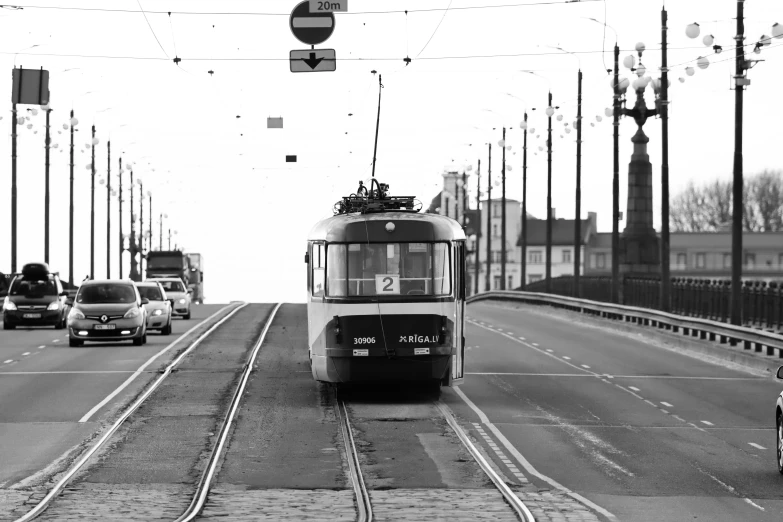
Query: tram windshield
x=364, y=269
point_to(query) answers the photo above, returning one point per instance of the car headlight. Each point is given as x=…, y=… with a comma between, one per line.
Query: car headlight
x=130, y=314
x=54, y=305
x=157, y=312
x=8, y=304
x=182, y=301
x=75, y=314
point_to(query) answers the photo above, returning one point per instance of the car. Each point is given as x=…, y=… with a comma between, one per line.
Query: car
x=35, y=298
x=158, y=308
x=178, y=293
x=107, y=310
x=779, y=424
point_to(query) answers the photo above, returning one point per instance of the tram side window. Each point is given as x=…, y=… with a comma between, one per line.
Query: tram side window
x=337, y=280
x=318, y=262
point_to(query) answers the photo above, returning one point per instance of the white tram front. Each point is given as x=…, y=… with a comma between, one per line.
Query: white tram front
x=386, y=293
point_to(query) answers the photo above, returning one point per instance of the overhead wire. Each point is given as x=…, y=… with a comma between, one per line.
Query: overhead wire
x=151, y=29
x=436, y=28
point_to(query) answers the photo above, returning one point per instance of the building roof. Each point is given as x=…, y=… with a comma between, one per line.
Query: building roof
x=562, y=232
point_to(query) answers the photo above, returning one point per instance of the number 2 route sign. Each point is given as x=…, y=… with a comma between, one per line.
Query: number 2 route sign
x=311, y=28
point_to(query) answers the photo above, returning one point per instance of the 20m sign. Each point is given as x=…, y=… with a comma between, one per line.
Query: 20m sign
x=322, y=6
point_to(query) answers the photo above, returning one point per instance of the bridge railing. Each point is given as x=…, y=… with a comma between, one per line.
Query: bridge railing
x=760, y=340
x=762, y=301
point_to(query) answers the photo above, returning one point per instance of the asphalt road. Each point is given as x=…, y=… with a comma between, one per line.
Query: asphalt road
x=47, y=389
x=645, y=433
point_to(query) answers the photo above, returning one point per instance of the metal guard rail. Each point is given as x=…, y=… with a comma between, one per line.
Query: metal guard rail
x=759, y=340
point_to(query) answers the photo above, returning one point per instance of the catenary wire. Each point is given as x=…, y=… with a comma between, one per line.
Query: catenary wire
x=151, y=29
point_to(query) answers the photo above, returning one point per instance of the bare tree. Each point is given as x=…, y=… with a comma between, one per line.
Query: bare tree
x=708, y=208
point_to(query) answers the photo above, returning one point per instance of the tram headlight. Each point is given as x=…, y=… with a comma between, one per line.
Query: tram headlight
x=337, y=330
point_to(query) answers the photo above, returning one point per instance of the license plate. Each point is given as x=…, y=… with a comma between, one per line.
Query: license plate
x=32, y=316
x=421, y=351
x=104, y=326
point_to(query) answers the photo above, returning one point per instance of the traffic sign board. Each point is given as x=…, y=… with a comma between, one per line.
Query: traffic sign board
x=310, y=28
x=322, y=6
x=313, y=60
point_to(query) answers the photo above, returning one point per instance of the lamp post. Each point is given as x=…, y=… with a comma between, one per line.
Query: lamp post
x=132, y=246
x=478, y=229
x=503, y=215
x=47, y=145
x=72, y=124
x=108, y=209
x=92, y=206
x=149, y=235
x=548, y=271
x=523, y=261
x=489, y=220
x=141, y=230
x=160, y=246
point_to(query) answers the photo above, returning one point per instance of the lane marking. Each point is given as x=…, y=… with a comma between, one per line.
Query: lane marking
x=531, y=374
x=550, y=351
x=634, y=388
x=667, y=404
x=749, y=501
x=524, y=462
x=678, y=418
x=41, y=347
x=708, y=423
x=628, y=426
x=25, y=353
x=138, y=372
x=75, y=372
x=55, y=340
x=651, y=403
x=585, y=366
x=567, y=358
x=665, y=411
x=522, y=338
x=524, y=374
x=8, y=361
x=535, y=344
x=757, y=446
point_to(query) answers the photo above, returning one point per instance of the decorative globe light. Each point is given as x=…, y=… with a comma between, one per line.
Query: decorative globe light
x=34, y=112
x=777, y=31
x=559, y=117
x=598, y=118
x=95, y=141
x=592, y=124
x=532, y=130
x=568, y=130
x=538, y=136
x=609, y=111
x=640, y=47
x=508, y=168
x=65, y=126
x=690, y=71
x=497, y=183
x=101, y=182
x=56, y=145
x=508, y=147
x=550, y=111
x=88, y=167
x=702, y=62
x=86, y=145
x=624, y=84
x=566, y=124
x=540, y=148
x=656, y=84
x=523, y=125
x=708, y=40
x=637, y=84
x=502, y=143
x=20, y=120
x=459, y=183
x=641, y=70
x=628, y=62
x=470, y=167
x=29, y=125
x=35, y=132
x=74, y=121
x=692, y=30
x=757, y=49
x=682, y=80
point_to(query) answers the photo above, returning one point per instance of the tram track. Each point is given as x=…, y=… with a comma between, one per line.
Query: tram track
x=361, y=492
x=202, y=487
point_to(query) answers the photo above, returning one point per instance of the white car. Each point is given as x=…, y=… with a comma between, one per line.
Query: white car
x=178, y=293
x=779, y=423
x=159, y=307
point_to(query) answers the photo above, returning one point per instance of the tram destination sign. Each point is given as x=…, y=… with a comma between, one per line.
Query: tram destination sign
x=311, y=27
x=321, y=6
x=313, y=60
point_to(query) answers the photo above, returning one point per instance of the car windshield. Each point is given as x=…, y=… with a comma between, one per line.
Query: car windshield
x=150, y=292
x=172, y=286
x=33, y=287
x=105, y=293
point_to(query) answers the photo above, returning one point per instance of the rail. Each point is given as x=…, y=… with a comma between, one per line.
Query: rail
x=759, y=340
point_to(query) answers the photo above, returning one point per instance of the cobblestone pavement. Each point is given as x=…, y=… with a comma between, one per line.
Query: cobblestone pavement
x=240, y=504
x=553, y=505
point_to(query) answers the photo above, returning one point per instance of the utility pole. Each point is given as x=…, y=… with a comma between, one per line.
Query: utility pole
x=736, y=223
x=503, y=217
x=478, y=229
x=578, y=220
x=108, y=210
x=616, y=182
x=665, y=300
x=141, y=230
x=70, y=216
x=523, y=264
x=160, y=247
x=548, y=276
x=489, y=220
x=149, y=240
x=13, y=185
x=119, y=200
x=46, y=195
x=132, y=246
x=169, y=239
x=92, y=207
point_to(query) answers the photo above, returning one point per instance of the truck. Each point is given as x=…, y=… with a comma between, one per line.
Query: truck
x=196, y=282
x=168, y=263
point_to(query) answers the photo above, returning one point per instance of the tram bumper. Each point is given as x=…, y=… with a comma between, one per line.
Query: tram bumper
x=347, y=367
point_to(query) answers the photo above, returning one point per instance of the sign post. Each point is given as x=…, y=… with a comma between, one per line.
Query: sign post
x=313, y=27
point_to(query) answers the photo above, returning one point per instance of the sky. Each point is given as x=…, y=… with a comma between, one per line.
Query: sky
x=200, y=142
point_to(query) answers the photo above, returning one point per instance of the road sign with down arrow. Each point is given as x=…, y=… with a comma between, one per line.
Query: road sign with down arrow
x=313, y=60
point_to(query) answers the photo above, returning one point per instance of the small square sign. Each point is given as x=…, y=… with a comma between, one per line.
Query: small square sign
x=387, y=284
x=290, y=158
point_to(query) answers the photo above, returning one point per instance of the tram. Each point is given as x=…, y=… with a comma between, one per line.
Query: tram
x=386, y=292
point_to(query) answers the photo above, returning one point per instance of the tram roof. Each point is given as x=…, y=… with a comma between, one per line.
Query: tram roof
x=408, y=227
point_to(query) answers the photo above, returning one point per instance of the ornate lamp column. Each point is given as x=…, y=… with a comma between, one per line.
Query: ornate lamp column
x=639, y=245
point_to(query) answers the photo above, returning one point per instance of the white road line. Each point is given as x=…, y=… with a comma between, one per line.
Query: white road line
x=8, y=361
x=665, y=411
x=524, y=462
x=41, y=347
x=536, y=344
x=609, y=376
x=651, y=403
x=138, y=372
x=749, y=501
x=708, y=423
x=567, y=358
x=530, y=374
x=757, y=446
x=678, y=418
x=522, y=338
x=585, y=366
x=55, y=340
x=26, y=353
x=74, y=372
x=550, y=351
x=667, y=404
x=634, y=388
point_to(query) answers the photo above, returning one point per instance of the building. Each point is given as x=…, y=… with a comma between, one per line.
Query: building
x=703, y=254
x=562, y=245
